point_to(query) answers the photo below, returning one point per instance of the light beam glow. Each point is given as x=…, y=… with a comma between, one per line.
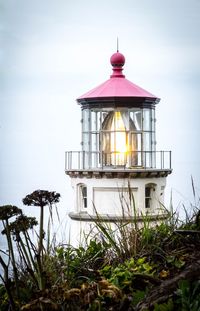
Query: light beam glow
x=118, y=142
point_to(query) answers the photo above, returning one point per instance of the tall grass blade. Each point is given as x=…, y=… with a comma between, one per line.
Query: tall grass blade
x=193, y=188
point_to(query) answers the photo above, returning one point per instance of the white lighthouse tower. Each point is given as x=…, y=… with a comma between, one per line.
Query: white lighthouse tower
x=118, y=153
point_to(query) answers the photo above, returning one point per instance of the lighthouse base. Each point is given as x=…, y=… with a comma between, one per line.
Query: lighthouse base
x=101, y=195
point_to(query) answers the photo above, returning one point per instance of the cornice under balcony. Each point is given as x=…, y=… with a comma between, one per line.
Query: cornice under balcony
x=118, y=173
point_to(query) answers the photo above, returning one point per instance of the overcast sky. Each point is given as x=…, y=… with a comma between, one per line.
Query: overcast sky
x=53, y=51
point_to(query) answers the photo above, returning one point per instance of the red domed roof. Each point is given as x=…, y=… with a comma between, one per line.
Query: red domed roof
x=117, y=85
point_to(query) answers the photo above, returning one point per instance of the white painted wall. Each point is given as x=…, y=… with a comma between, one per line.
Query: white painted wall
x=105, y=194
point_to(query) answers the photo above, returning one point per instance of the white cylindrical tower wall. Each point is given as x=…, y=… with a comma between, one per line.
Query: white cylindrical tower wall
x=108, y=196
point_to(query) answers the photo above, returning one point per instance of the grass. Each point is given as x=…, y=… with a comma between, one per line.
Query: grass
x=124, y=267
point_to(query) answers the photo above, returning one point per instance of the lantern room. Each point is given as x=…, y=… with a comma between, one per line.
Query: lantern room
x=114, y=136
x=118, y=148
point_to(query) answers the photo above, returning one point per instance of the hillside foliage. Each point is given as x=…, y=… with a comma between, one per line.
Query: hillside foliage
x=130, y=268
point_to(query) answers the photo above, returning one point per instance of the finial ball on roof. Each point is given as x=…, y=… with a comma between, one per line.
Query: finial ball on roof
x=117, y=60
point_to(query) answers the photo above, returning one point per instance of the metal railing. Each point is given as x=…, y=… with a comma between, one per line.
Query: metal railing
x=81, y=160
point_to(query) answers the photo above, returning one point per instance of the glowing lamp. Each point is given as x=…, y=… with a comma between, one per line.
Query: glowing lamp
x=115, y=144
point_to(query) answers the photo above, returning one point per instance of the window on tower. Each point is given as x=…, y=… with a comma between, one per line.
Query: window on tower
x=149, y=195
x=82, y=196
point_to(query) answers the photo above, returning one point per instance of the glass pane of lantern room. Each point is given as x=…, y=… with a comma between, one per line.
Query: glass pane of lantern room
x=94, y=123
x=86, y=120
x=94, y=149
x=135, y=149
x=147, y=119
x=135, y=120
x=104, y=117
x=147, y=154
x=98, y=120
x=153, y=120
x=94, y=142
x=153, y=148
x=85, y=142
x=86, y=149
x=106, y=142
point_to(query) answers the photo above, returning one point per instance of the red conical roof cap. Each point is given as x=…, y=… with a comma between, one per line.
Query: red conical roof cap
x=117, y=85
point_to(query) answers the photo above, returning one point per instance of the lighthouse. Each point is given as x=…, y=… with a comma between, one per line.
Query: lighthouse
x=118, y=159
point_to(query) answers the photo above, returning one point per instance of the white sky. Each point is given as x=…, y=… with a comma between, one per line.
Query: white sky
x=51, y=52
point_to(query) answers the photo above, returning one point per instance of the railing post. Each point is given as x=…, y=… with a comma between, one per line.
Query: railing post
x=160, y=159
x=156, y=159
x=163, y=159
x=170, y=160
x=83, y=159
x=69, y=160
x=66, y=161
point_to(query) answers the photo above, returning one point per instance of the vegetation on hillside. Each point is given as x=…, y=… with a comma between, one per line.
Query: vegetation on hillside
x=129, y=268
